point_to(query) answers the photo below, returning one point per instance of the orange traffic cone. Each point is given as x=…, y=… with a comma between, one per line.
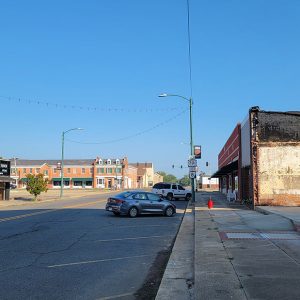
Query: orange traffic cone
x=210, y=203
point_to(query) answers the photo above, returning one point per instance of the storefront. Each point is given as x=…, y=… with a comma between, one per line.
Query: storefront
x=79, y=183
x=56, y=182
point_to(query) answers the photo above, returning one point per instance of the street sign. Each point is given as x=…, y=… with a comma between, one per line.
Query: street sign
x=193, y=169
x=192, y=174
x=192, y=162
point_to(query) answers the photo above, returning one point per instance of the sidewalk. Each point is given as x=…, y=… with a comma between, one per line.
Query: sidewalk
x=22, y=197
x=239, y=253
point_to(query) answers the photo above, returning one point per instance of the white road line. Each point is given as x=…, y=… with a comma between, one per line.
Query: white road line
x=115, y=296
x=96, y=261
x=135, y=238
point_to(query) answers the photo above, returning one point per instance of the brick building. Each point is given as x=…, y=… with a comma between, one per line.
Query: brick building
x=260, y=162
x=99, y=173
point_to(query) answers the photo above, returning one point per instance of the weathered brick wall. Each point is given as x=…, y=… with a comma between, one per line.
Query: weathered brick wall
x=278, y=136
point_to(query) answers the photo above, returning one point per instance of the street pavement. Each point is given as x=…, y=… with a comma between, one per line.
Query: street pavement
x=238, y=253
x=73, y=249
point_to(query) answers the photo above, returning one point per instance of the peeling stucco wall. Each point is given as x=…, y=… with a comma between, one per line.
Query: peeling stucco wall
x=279, y=174
x=277, y=138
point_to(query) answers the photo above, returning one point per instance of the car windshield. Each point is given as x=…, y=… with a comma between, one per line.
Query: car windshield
x=124, y=194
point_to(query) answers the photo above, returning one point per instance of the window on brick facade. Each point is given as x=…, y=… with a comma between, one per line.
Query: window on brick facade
x=91, y=170
x=30, y=170
x=69, y=170
x=37, y=170
x=83, y=170
x=74, y=171
x=108, y=162
x=109, y=170
x=46, y=172
x=24, y=170
x=118, y=170
x=117, y=161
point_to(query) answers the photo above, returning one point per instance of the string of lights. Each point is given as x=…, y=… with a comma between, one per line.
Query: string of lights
x=86, y=108
x=133, y=135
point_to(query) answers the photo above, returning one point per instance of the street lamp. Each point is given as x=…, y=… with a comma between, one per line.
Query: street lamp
x=191, y=131
x=62, y=159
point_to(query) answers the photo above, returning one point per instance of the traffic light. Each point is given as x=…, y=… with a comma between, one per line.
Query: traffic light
x=173, y=166
x=207, y=163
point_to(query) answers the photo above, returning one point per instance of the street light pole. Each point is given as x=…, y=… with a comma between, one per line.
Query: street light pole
x=62, y=159
x=190, y=100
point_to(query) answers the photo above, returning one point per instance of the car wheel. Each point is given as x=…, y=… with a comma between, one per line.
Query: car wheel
x=116, y=213
x=170, y=197
x=133, y=212
x=188, y=197
x=169, y=212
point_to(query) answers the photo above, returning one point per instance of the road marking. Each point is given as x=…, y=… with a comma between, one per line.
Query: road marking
x=49, y=210
x=115, y=296
x=135, y=238
x=96, y=261
x=27, y=215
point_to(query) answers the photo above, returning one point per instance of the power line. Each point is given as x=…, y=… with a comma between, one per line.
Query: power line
x=133, y=135
x=87, y=108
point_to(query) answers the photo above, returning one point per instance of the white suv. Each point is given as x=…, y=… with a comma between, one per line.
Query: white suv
x=171, y=191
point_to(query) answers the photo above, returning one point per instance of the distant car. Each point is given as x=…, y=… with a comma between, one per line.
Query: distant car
x=13, y=186
x=134, y=203
x=171, y=191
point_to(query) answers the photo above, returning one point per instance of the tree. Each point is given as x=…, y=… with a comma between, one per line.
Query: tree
x=168, y=177
x=36, y=184
x=185, y=181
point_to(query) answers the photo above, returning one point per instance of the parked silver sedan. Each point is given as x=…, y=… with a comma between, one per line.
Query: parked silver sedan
x=134, y=203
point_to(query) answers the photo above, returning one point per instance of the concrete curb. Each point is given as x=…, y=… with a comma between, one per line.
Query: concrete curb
x=295, y=224
x=178, y=278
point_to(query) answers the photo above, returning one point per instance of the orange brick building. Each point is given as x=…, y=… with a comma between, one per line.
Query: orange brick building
x=99, y=173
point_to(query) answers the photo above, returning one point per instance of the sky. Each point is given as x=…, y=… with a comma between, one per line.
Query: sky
x=100, y=65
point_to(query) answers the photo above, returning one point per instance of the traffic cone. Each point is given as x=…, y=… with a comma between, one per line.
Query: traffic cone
x=210, y=203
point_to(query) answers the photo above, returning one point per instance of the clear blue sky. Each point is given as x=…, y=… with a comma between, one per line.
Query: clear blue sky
x=117, y=56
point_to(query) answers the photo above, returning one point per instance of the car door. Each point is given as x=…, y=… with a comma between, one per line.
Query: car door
x=156, y=203
x=175, y=191
x=181, y=191
x=144, y=204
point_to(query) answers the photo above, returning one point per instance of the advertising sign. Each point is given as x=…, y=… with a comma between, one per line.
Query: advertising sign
x=4, y=168
x=197, y=152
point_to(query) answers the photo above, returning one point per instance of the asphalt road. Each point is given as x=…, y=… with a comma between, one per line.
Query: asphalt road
x=74, y=249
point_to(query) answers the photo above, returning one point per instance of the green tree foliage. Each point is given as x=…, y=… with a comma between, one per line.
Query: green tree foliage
x=185, y=181
x=36, y=184
x=168, y=177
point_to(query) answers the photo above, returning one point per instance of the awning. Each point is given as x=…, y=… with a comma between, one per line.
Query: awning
x=226, y=169
x=24, y=179
x=59, y=179
x=83, y=179
x=6, y=179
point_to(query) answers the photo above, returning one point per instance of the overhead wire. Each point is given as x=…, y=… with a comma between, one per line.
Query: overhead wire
x=133, y=135
x=88, y=108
